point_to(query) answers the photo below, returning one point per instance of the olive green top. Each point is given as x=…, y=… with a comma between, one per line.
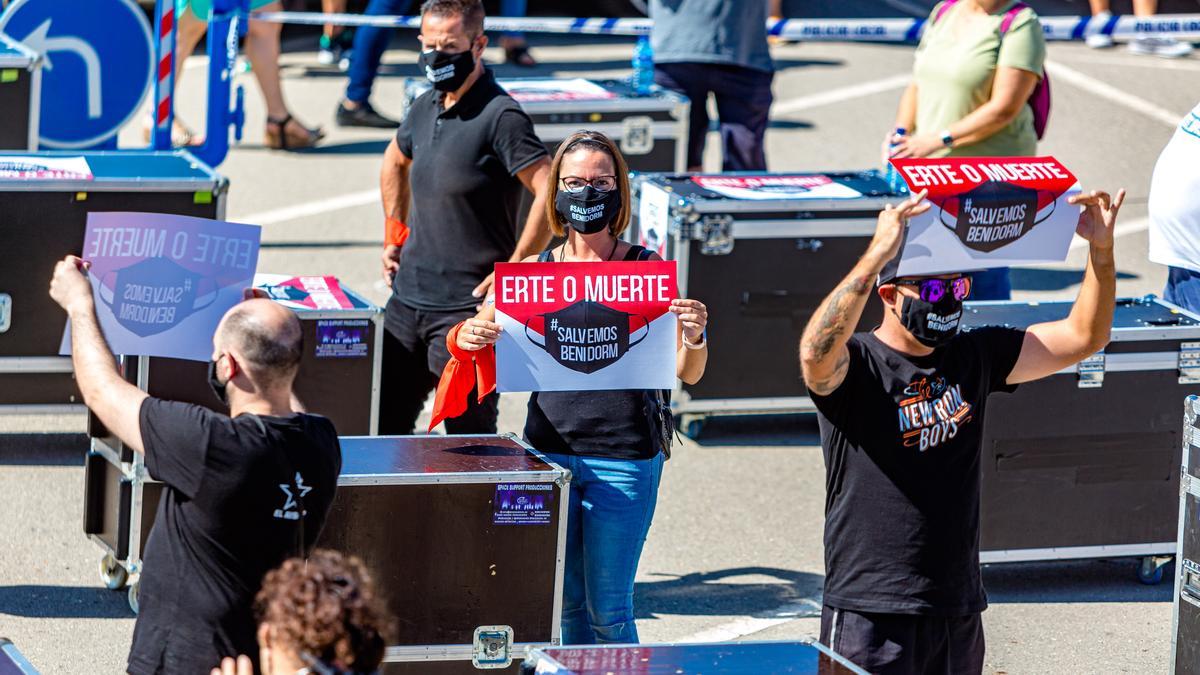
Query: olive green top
x=954, y=68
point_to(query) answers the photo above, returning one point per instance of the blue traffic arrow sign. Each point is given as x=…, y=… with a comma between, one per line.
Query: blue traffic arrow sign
x=98, y=59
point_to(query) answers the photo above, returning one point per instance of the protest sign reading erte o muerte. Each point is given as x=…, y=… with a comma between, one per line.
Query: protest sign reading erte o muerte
x=161, y=283
x=585, y=326
x=988, y=212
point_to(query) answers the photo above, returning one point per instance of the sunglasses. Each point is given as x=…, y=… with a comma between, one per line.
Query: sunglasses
x=933, y=290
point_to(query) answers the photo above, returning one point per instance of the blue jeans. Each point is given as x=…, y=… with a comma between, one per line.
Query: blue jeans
x=369, y=44
x=612, y=504
x=1183, y=288
x=991, y=284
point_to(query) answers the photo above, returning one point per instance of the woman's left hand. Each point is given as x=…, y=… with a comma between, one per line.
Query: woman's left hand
x=919, y=145
x=693, y=317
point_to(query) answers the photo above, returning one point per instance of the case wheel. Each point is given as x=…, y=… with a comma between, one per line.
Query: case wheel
x=133, y=596
x=1150, y=571
x=112, y=573
x=692, y=426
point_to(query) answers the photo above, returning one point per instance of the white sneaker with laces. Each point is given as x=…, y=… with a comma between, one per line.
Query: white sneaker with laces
x=1098, y=41
x=1164, y=47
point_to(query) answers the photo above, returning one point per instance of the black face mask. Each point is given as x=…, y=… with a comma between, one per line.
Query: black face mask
x=994, y=215
x=587, y=336
x=588, y=211
x=447, y=71
x=931, y=323
x=217, y=385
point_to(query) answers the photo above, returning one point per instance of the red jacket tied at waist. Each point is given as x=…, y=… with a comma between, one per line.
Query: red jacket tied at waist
x=459, y=378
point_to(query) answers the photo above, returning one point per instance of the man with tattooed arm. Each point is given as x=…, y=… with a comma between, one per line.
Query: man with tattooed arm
x=901, y=415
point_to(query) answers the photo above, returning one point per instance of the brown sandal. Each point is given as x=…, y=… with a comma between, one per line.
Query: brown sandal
x=279, y=137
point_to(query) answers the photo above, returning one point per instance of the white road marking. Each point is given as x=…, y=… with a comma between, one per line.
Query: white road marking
x=748, y=625
x=1104, y=90
x=312, y=208
x=842, y=94
x=1135, y=61
x=1123, y=230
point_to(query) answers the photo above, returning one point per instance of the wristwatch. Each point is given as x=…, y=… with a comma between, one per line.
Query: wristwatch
x=947, y=139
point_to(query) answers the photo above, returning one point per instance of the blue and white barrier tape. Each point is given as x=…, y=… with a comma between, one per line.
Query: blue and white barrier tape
x=1186, y=26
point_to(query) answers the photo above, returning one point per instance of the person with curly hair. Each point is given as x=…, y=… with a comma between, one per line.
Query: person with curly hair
x=318, y=615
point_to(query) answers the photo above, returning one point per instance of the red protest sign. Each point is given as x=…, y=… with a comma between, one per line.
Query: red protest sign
x=585, y=326
x=988, y=212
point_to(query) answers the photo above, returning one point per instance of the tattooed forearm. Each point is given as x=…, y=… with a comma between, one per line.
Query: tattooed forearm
x=824, y=384
x=824, y=360
x=835, y=319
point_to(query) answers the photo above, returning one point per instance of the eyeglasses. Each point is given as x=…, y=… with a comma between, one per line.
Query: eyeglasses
x=601, y=183
x=933, y=290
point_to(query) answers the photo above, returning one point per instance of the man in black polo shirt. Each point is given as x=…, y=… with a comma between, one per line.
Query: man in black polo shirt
x=243, y=493
x=901, y=414
x=451, y=183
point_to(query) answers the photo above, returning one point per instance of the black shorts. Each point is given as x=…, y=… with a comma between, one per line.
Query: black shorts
x=905, y=644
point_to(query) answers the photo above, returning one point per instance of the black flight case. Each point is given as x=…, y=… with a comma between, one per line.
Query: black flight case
x=44, y=220
x=1084, y=463
x=651, y=129
x=20, y=95
x=465, y=536
x=339, y=381
x=1185, y=633
x=805, y=657
x=761, y=251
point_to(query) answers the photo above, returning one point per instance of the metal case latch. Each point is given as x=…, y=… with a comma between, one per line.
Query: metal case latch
x=637, y=135
x=1189, y=363
x=1189, y=589
x=1091, y=371
x=716, y=235
x=5, y=312
x=493, y=647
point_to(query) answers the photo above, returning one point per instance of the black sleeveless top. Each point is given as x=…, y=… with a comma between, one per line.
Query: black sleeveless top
x=613, y=424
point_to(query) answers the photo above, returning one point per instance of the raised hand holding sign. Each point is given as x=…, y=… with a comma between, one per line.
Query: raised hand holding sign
x=161, y=283
x=988, y=212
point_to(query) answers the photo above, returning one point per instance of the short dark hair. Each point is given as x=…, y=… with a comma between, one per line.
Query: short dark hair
x=471, y=12
x=272, y=356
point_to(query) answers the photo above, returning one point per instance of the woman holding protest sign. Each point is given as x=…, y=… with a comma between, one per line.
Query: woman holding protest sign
x=614, y=442
x=978, y=89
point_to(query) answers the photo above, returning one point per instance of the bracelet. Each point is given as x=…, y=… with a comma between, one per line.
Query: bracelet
x=395, y=232
x=697, y=345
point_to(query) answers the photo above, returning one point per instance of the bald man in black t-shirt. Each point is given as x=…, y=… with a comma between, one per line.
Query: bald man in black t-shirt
x=901, y=414
x=243, y=492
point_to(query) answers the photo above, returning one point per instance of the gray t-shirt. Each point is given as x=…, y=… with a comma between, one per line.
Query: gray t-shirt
x=711, y=31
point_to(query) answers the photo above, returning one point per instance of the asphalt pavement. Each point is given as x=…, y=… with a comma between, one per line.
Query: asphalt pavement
x=735, y=550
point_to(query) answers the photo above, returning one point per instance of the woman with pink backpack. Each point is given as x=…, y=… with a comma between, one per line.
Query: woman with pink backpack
x=978, y=89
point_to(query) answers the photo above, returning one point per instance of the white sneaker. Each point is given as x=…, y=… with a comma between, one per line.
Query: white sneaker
x=1095, y=39
x=1165, y=47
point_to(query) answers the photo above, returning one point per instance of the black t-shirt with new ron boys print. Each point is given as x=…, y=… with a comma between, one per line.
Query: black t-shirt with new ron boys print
x=901, y=438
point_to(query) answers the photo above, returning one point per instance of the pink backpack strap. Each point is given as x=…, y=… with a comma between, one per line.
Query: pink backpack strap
x=1010, y=16
x=942, y=10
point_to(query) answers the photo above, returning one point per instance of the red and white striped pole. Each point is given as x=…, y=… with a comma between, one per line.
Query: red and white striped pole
x=164, y=113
